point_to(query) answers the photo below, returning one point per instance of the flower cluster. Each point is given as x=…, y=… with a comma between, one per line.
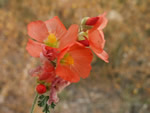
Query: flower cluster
x=65, y=55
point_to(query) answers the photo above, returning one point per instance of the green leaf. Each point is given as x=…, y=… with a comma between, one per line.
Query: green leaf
x=46, y=109
x=53, y=105
x=42, y=102
x=41, y=97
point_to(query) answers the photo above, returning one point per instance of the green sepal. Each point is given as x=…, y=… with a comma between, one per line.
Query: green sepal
x=83, y=21
x=86, y=27
x=82, y=35
x=44, y=83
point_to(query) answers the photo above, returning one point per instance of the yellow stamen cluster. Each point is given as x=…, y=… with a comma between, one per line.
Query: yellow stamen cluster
x=51, y=41
x=67, y=60
x=52, y=38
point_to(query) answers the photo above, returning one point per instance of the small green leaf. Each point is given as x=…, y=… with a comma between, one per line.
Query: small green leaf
x=43, y=103
x=46, y=109
x=42, y=100
x=41, y=97
x=53, y=105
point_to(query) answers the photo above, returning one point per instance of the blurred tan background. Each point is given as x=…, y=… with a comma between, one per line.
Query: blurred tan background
x=122, y=86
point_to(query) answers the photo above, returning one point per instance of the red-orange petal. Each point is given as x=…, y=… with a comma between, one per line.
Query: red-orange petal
x=67, y=73
x=101, y=23
x=55, y=26
x=81, y=68
x=102, y=35
x=103, y=55
x=96, y=40
x=37, y=30
x=104, y=21
x=82, y=60
x=63, y=71
x=34, y=48
x=69, y=38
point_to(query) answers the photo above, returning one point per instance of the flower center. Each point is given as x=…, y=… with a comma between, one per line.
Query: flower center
x=67, y=59
x=51, y=41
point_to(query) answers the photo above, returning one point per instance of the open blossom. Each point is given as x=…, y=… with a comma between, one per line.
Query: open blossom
x=96, y=35
x=52, y=33
x=74, y=62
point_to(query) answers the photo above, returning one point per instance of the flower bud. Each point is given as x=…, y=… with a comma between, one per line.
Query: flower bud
x=85, y=42
x=91, y=21
x=83, y=21
x=41, y=88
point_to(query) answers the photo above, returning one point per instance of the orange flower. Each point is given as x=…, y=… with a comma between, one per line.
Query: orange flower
x=95, y=36
x=52, y=33
x=74, y=62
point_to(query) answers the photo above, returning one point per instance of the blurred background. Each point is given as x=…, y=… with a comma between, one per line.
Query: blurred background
x=122, y=86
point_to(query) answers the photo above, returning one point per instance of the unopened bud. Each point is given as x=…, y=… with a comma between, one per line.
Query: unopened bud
x=91, y=21
x=83, y=21
x=85, y=27
x=85, y=42
x=41, y=88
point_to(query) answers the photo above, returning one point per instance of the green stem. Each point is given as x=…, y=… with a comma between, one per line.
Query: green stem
x=34, y=102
